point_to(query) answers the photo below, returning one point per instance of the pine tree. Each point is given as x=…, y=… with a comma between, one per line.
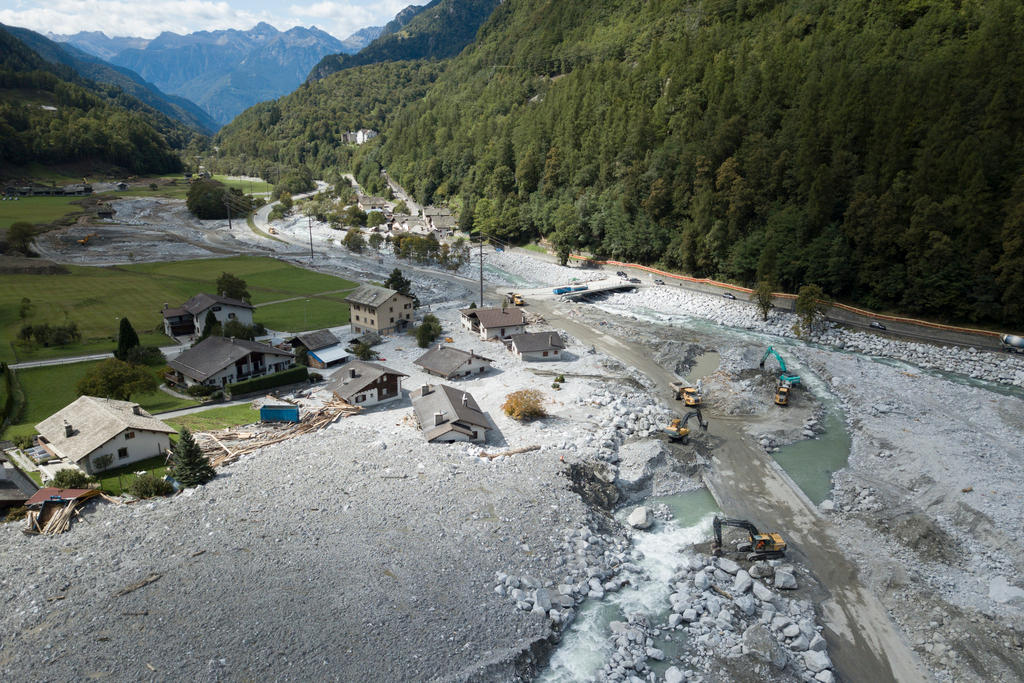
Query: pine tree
x=190, y=466
x=210, y=324
x=127, y=339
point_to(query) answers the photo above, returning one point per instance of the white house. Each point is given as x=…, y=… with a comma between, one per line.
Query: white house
x=447, y=414
x=449, y=362
x=366, y=384
x=494, y=323
x=537, y=346
x=190, y=317
x=97, y=434
x=219, y=361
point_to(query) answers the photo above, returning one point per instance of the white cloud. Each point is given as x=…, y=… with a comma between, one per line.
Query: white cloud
x=150, y=18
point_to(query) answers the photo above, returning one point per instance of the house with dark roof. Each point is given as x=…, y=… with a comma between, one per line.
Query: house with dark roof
x=96, y=434
x=366, y=384
x=494, y=323
x=537, y=346
x=323, y=349
x=448, y=414
x=449, y=362
x=189, y=318
x=379, y=309
x=219, y=361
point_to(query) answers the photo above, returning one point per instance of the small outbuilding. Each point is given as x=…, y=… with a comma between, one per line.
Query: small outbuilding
x=279, y=413
x=540, y=346
x=450, y=363
x=323, y=349
x=494, y=323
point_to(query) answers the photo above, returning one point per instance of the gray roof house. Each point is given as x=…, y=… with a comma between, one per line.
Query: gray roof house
x=537, y=346
x=99, y=433
x=449, y=362
x=218, y=361
x=501, y=323
x=448, y=414
x=366, y=384
x=379, y=309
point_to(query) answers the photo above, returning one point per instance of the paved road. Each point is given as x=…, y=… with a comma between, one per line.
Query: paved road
x=168, y=351
x=747, y=483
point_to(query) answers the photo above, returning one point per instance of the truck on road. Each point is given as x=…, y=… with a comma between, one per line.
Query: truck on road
x=1012, y=342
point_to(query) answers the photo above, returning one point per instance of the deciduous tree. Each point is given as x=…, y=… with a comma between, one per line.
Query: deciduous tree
x=116, y=379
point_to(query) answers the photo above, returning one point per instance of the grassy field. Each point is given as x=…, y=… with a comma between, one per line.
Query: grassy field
x=216, y=418
x=96, y=298
x=246, y=186
x=179, y=190
x=328, y=310
x=37, y=210
x=536, y=247
x=50, y=388
x=116, y=480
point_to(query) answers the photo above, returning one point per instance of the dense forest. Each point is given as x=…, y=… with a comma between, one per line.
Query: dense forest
x=440, y=29
x=873, y=148
x=51, y=115
x=304, y=129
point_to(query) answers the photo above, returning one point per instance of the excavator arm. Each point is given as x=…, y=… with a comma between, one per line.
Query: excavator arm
x=764, y=546
x=700, y=419
x=772, y=352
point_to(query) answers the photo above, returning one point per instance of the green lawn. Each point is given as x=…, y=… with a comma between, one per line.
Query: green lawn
x=84, y=295
x=48, y=389
x=216, y=418
x=536, y=247
x=328, y=310
x=116, y=480
x=37, y=210
x=246, y=186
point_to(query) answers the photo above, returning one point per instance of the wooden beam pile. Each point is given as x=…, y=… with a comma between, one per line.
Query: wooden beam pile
x=55, y=518
x=220, y=453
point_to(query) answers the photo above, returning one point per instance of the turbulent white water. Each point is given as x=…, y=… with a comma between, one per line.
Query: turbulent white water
x=585, y=646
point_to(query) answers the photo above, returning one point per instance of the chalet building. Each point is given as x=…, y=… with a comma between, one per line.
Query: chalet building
x=97, y=434
x=447, y=414
x=366, y=384
x=450, y=363
x=219, y=361
x=494, y=323
x=378, y=309
x=368, y=204
x=540, y=346
x=189, y=318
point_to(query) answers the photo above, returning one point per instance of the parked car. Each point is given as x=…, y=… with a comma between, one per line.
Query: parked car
x=658, y=281
x=877, y=325
x=729, y=295
x=620, y=273
x=634, y=280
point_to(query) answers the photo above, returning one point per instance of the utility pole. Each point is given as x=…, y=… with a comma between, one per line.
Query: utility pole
x=481, y=271
x=310, y=237
x=227, y=205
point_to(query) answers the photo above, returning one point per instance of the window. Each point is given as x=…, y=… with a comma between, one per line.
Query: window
x=231, y=316
x=216, y=308
x=391, y=309
x=129, y=435
x=360, y=398
x=545, y=354
x=392, y=320
x=383, y=392
x=357, y=317
x=122, y=453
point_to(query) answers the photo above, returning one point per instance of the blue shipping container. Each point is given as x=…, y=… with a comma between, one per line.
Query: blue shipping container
x=279, y=414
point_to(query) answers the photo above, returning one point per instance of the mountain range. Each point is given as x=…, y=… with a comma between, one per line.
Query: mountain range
x=224, y=72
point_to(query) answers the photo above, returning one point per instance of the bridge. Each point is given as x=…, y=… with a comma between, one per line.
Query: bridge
x=576, y=290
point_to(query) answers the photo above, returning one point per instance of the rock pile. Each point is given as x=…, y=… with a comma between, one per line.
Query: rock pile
x=725, y=608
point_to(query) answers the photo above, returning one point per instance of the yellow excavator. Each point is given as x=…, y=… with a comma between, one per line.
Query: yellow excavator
x=677, y=429
x=761, y=546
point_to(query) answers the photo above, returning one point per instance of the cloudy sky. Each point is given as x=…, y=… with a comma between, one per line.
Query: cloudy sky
x=148, y=18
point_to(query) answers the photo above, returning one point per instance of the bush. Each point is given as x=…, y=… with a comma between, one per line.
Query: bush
x=290, y=376
x=71, y=479
x=428, y=331
x=148, y=485
x=556, y=385
x=560, y=379
x=315, y=377
x=16, y=514
x=200, y=390
x=145, y=355
x=217, y=395
x=24, y=441
x=525, y=404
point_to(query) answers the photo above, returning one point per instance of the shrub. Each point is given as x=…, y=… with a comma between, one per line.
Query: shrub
x=525, y=404
x=145, y=355
x=428, y=331
x=200, y=390
x=560, y=379
x=315, y=377
x=15, y=514
x=71, y=479
x=148, y=485
x=217, y=395
x=290, y=376
x=556, y=385
x=24, y=441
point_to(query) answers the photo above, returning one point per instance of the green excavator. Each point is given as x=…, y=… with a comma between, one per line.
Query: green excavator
x=786, y=381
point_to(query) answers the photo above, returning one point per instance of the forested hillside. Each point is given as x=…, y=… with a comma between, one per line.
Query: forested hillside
x=51, y=115
x=874, y=148
x=95, y=69
x=305, y=128
x=440, y=29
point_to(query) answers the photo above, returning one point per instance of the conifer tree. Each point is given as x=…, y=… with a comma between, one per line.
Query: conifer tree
x=190, y=467
x=127, y=339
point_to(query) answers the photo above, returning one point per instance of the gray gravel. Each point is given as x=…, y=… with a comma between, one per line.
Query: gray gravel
x=346, y=561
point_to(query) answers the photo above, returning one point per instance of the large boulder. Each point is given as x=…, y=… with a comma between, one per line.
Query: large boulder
x=742, y=583
x=728, y=566
x=674, y=675
x=816, y=661
x=758, y=641
x=784, y=580
x=641, y=518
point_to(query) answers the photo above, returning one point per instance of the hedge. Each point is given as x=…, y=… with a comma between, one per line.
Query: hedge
x=290, y=376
